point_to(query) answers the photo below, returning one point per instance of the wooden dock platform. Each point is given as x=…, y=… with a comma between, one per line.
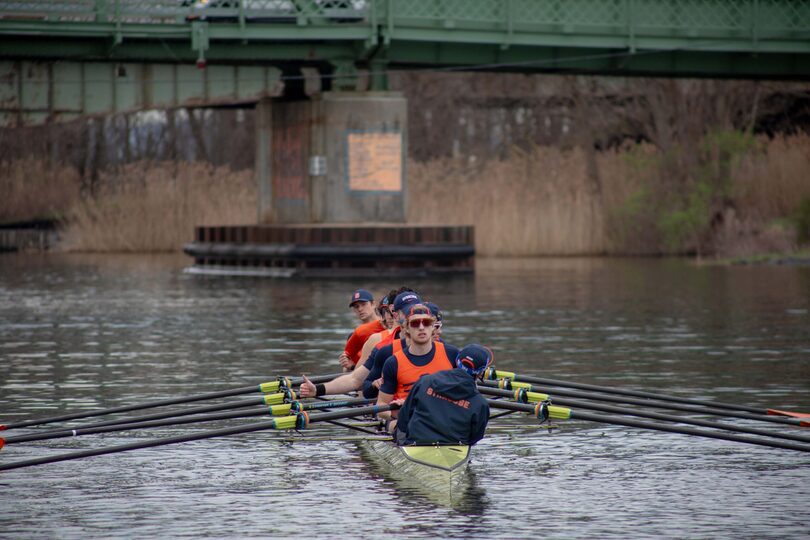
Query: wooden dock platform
x=332, y=250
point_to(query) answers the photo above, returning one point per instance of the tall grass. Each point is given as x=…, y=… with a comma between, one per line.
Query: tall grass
x=543, y=202
x=30, y=189
x=143, y=207
x=535, y=202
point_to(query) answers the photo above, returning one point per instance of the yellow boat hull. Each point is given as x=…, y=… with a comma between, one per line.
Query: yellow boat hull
x=439, y=469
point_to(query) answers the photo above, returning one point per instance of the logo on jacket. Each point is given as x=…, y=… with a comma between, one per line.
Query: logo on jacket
x=463, y=403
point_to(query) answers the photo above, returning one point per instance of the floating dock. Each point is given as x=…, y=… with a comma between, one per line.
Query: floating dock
x=332, y=250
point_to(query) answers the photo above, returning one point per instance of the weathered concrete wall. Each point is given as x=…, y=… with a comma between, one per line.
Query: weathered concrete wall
x=364, y=139
x=338, y=158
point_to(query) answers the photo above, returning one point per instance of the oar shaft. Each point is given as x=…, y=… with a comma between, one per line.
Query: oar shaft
x=658, y=427
x=61, y=434
x=496, y=374
x=134, y=407
x=650, y=403
x=655, y=416
x=143, y=423
x=283, y=423
x=264, y=387
x=157, y=416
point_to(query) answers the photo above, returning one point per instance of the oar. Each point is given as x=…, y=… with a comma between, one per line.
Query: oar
x=268, y=399
x=299, y=421
x=523, y=396
x=508, y=384
x=274, y=410
x=537, y=410
x=265, y=388
x=493, y=374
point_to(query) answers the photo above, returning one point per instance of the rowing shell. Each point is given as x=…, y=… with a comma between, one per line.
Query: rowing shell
x=441, y=469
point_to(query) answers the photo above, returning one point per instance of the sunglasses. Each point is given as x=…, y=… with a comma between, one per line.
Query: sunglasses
x=418, y=323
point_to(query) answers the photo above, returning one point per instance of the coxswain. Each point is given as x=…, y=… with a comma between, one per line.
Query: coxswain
x=422, y=357
x=362, y=303
x=352, y=381
x=446, y=407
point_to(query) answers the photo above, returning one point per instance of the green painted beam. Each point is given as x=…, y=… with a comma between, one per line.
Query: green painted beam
x=600, y=61
x=62, y=41
x=36, y=92
x=177, y=51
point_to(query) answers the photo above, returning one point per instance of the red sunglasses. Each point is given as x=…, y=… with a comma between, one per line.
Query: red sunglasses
x=418, y=323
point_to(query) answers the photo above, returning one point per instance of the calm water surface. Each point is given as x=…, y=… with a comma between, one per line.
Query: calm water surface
x=87, y=332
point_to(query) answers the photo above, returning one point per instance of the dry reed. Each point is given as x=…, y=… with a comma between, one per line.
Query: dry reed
x=535, y=202
x=30, y=189
x=769, y=183
x=542, y=202
x=152, y=208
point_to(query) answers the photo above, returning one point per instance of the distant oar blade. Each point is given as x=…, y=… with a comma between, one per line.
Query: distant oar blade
x=777, y=412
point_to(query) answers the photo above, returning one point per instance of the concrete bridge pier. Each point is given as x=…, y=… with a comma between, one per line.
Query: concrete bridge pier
x=337, y=158
x=332, y=197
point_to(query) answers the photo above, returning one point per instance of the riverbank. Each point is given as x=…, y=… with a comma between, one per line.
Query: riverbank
x=742, y=199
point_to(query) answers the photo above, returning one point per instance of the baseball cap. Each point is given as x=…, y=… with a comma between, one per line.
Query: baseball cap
x=434, y=310
x=405, y=300
x=361, y=295
x=474, y=358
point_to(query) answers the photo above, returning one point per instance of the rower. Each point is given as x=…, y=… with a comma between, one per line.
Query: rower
x=381, y=353
x=446, y=407
x=437, y=313
x=422, y=356
x=384, y=310
x=402, y=300
x=354, y=380
x=362, y=303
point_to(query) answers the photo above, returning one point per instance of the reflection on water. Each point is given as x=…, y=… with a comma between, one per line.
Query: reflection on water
x=82, y=332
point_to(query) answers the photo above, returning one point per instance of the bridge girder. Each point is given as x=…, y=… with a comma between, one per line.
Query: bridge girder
x=711, y=38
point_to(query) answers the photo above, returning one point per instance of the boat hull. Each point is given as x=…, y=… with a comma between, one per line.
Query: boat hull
x=440, y=469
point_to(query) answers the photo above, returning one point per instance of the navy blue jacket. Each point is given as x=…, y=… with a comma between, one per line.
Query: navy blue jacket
x=444, y=407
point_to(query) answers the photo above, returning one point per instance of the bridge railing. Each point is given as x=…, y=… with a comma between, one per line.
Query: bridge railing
x=457, y=20
x=183, y=11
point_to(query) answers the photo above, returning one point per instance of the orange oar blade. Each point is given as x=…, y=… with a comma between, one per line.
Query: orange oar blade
x=777, y=412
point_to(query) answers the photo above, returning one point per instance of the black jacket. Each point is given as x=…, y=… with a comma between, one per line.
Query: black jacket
x=444, y=407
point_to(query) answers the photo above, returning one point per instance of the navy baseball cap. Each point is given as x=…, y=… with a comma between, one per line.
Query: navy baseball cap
x=474, y=359
x=405, y=300
x=434, y=310
x=361, y=295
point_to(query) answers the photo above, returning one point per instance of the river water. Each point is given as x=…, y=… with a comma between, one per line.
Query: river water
x=83, y=332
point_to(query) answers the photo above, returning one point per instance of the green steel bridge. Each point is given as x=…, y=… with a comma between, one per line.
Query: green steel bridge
x=116, y=55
